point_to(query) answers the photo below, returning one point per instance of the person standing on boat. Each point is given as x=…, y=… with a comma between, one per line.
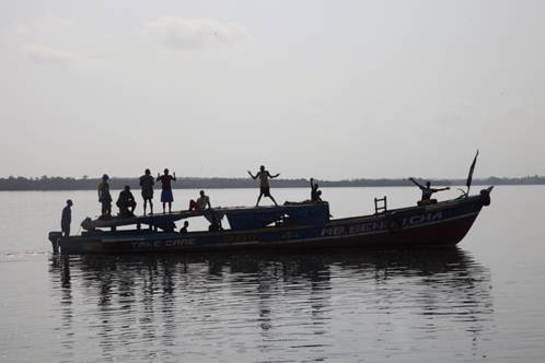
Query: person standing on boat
x=126, y=202
x=104, y=196
x=66, y=218
x=201, y=203
x=166, y=189
x=264, y=187
x=147, y=182
x=427, y=191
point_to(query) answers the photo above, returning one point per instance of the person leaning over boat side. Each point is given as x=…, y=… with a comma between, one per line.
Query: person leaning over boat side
x=126, y=202
x=147, y=182
x=427, y=192
x=201, y=203
x=66, y=218
x=264, y=187
x=166, y=189
x=315, y=194
x=104, y=196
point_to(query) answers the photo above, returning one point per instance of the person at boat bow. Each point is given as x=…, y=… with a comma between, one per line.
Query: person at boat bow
x=104, y=196
x=264, y=187
x=427, y=192
x=166, y=185
x=146, y=182
x=126, y=202
x=66, y=218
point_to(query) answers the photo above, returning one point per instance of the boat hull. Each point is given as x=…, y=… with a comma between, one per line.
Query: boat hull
x=444, y=223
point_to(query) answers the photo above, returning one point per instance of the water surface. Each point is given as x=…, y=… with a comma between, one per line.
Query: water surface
x=480, y=301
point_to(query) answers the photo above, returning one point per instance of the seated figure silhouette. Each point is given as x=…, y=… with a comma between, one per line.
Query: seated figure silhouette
x=427, y=192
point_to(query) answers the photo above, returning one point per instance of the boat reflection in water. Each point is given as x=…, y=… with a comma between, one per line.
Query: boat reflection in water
x=262, y=307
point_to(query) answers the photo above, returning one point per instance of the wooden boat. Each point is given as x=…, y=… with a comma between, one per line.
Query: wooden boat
x=293, y=225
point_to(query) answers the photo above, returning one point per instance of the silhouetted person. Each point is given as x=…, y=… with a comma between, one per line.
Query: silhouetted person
x=315, y=193
x=427, y=191
x=126, y=202
x=264, y=187
x=146, y=183
x=104, y=196
x=201, y=203
x=66, y=218
x=184, y=228
x=166, y=186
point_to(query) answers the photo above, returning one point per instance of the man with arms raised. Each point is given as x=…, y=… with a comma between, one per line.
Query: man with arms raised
x=264, y=187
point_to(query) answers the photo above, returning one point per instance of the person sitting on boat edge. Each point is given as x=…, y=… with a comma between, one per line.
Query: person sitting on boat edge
x=104, y=197
x=126, y=202
x=201, y=203
x=166, y=186
x=264, y=187
x=427, y=192
x=66, y=218
x=315, y=194
x=146, y=182
x=184, y=228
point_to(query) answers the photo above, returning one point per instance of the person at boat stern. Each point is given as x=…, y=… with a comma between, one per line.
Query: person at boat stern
x=104, y=196
x=66, y=218
x=146, y=183
x=166, y=189
x=126, y=202
x=264, y=186
x=427, y=192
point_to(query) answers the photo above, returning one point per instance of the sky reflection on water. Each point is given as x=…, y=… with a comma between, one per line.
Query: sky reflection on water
x=273, y=307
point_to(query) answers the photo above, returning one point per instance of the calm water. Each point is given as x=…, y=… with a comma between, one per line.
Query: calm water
x=481, y=301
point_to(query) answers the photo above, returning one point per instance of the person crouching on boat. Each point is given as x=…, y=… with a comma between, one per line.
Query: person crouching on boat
x=146, y=183
x=166, y=186
x=66, y=218
x=126, y=202
x=104, y=196
x=427, y=192
x=201, y=203
x=264, y=187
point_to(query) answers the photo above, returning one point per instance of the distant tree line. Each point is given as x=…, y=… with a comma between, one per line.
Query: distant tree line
x=85, y=183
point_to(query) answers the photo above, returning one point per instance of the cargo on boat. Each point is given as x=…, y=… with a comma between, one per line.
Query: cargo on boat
x=292, y=225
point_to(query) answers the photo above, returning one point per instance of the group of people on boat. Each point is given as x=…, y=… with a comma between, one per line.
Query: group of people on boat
x=126, y=201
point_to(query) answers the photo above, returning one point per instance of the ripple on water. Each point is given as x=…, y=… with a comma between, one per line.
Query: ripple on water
x=267, y=307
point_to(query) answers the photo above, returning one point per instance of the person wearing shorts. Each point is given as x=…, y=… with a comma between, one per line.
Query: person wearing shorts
x=166, y=189
x=264, y=187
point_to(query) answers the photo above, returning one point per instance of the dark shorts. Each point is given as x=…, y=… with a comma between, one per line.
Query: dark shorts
x=166, y=196
x=266, y=191
x=147, y=194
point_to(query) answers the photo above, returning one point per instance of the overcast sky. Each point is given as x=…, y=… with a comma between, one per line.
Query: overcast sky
x=330, y=89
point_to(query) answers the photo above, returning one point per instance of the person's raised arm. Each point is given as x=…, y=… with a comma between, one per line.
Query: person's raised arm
x=416, y=183
x=274, y=176
x=253, y=177
x=311, y=183
x=174, y=176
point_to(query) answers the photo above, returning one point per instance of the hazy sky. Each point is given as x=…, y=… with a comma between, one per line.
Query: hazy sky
x=331, y=89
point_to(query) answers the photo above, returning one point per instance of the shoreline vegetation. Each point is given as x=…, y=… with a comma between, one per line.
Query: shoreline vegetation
x=46, y=183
